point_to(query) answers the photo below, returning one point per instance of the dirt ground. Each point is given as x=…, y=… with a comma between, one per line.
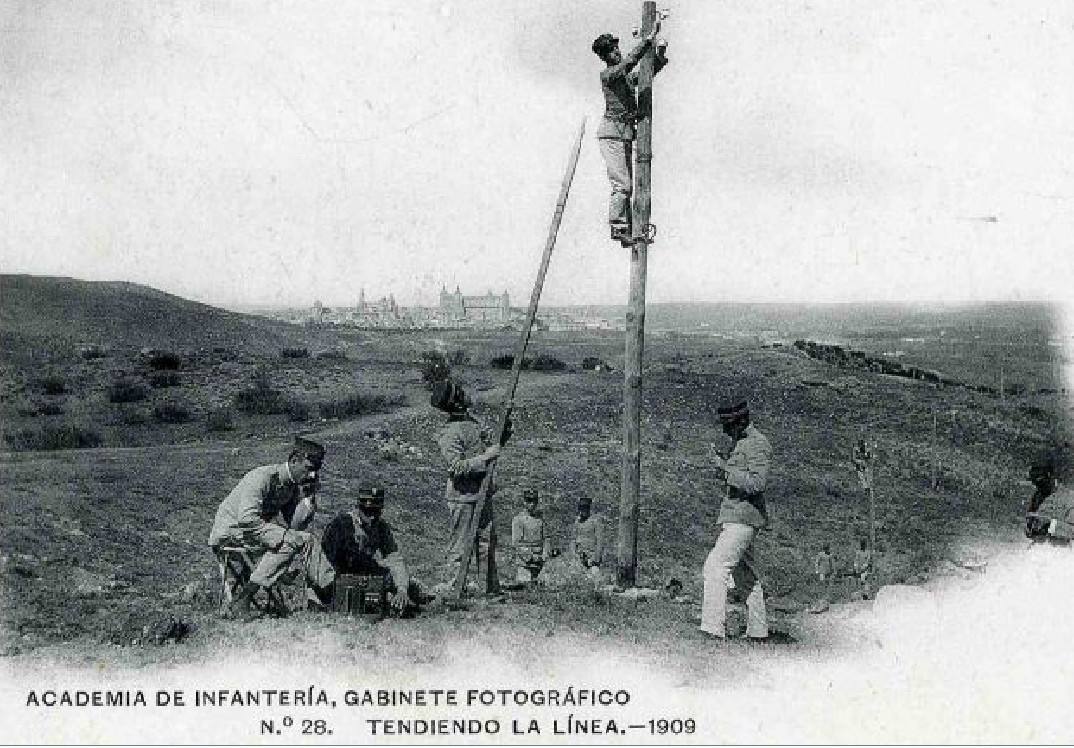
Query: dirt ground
x=98, y=542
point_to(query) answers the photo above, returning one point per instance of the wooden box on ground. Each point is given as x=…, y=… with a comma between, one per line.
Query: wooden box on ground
x=361, y=594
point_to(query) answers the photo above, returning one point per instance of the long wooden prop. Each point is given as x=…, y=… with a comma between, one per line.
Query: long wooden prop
x=516, y=368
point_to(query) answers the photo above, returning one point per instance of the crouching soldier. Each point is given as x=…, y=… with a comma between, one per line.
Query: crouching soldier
x=587, y=542
x=267, y=514
x=532, y=547
x=1051, y=509
x=362, y=542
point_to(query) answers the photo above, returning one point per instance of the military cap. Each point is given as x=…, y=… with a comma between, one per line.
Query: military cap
x=309, y=448
x=371, y=496
x=444, y=394
x=604, y=44
x=529, y=495
x=733, y=410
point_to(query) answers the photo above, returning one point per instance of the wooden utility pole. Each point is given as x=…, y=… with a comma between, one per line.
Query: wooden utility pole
x=863, y=465
x=627, y=570
x=492, y=581
x=935, y=456
x=872, y=519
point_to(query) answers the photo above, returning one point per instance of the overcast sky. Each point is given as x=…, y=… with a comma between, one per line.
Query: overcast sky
x=242, y=152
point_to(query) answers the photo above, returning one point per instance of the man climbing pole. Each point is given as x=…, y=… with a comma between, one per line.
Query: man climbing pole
x=616, y=133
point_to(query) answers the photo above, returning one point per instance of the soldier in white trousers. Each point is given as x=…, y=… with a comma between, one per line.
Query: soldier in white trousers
x=731, y=563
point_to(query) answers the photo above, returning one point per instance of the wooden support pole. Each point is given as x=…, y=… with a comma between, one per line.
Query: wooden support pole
x=935, y=456
x=627, y=570
x=872, y=520
x=492, y=583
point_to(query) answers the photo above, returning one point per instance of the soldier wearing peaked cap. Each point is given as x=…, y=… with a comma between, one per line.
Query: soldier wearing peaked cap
x=532, y=546
x=587, y=542
x=362, y=542
x=267, y=513
x=731, y=564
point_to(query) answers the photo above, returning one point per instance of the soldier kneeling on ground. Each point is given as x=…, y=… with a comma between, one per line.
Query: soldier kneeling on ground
x=532, y=546
x=587, y=540
x=361, y=542
x=1050, y=518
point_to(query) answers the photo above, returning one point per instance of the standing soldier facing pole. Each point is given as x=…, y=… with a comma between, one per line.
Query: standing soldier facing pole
x=616, y=133
x=469, y=457
x=731, y=563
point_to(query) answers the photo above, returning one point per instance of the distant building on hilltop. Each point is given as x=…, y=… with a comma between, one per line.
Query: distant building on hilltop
x=481, y=310
x=383, y=312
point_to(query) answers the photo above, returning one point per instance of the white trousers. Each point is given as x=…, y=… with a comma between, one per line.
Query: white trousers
x=618, y=160
x=730, y=565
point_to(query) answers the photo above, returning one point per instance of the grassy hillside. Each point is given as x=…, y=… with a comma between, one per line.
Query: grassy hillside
x=118, y=529
x=39, y=313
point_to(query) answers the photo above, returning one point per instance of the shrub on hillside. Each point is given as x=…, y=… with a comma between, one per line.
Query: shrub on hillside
x=357, y=404
x=165, y=361
x=53, y=437
x=434, y=368
x=51, y=384
x=124, y=390
x=507, y=360
x=171, y=412
x=27, y=409
x=331, y=354
x=161, y=379
x=219, y=419
x=90, y=352
x=295, y=352
x=135, y=417
x=298, y=410
x=261, y=398
x=32, y=410
x=546, y=362
x=50, y=409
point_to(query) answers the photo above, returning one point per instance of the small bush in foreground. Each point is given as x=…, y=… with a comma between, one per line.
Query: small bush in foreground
x=53, y=437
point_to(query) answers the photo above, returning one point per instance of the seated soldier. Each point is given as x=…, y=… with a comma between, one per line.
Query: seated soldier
x=362, y=542
x=588, y=541
x=1050, y=518
x=532, y=548
x=267, y=514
